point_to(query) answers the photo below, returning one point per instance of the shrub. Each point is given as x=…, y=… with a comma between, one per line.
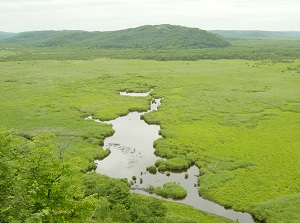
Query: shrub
x=152, y=169
x=162, y=168
x=171, y=190
x=151, y=189
x=173, y=164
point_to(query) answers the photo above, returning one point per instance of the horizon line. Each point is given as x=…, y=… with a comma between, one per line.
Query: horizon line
x=38, y=30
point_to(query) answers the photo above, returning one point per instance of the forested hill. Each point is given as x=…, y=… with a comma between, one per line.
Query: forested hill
x=5, y=35
x=256, y=34
x=148, y=36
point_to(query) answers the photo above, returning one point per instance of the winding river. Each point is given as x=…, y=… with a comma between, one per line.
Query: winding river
x=132, y=151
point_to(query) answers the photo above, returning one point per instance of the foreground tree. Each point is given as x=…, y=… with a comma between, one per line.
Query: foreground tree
x=38, y=185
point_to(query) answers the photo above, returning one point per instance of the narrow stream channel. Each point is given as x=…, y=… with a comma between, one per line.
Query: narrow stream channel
x=132, y=151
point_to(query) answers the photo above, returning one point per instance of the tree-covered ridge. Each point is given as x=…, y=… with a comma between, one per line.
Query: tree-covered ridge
x=148, y=36
x=5, y=35
x=256, y=34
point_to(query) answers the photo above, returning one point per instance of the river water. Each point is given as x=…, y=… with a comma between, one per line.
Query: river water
x=132, y=151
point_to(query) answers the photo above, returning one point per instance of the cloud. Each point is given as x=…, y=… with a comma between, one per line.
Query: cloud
x=22, y=15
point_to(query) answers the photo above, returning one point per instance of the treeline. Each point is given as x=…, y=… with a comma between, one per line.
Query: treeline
x=144, y=37
x=256, y=34
x=160, y=42
x=6, y=35
x=242, y=49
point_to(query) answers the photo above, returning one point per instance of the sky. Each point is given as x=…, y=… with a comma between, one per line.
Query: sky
x=107, y=15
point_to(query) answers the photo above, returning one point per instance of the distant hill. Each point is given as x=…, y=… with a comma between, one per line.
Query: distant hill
x=5, y=35
x=256, y=34
x=156, y=36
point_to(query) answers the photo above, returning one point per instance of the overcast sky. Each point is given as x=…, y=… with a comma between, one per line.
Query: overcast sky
x=104, y=15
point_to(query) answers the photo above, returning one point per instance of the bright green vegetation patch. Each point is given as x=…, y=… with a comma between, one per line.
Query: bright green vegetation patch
x=171, y=190
x=182, y=214
x=88, y=149
x=240, y=123
x=283, y=209
x=173, y=164
x=237, y=120
x=55, y=97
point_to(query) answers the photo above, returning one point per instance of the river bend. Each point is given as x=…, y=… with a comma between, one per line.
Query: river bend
x=132, y=151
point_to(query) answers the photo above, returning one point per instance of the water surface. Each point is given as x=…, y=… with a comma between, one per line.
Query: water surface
x=132, y=151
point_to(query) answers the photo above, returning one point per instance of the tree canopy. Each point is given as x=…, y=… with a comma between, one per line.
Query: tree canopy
x=148, y=36
x=37, y=184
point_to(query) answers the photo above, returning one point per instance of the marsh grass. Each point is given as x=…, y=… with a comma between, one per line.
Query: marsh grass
x=182, y=213
x=237, y=120
x=152, y=169
x=173, y=164
x=171, y=190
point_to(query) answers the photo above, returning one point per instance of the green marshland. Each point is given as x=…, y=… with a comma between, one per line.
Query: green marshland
x=236, y=119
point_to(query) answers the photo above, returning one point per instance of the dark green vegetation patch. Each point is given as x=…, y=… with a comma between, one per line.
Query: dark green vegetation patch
x=6, y=35
x=157, y=37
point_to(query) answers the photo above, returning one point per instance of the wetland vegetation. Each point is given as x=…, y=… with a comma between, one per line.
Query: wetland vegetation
x=235, y=119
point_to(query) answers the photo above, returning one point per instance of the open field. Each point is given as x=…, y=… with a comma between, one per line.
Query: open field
x=237, y=120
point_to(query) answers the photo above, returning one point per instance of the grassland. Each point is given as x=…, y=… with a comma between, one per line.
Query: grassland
x=237, y=120
x=182, y=213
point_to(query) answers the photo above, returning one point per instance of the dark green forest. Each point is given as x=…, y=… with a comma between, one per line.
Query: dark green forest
x=275, y=50
x=160, y=42
x=256, y=34
x=5, y=35
x=144, y=37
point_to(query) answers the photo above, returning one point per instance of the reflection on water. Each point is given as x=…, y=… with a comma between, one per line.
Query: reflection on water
x=132, y=151
x=193, y=198
x=131, y=146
